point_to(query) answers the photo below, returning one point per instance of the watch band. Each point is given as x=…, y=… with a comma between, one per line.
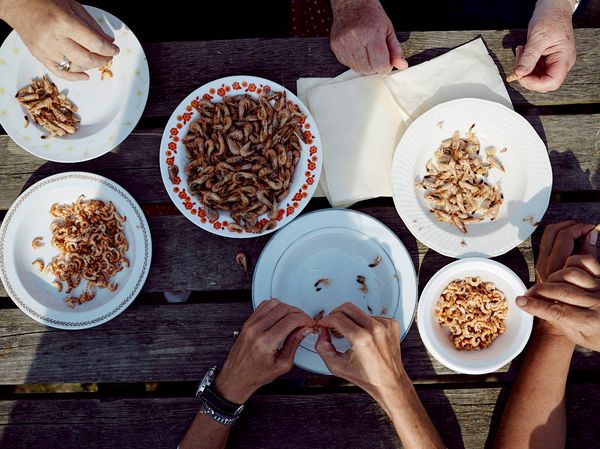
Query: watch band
x=219, y=403
x=207, y=410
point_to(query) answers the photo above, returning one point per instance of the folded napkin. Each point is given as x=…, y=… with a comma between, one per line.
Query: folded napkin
x=361, y=118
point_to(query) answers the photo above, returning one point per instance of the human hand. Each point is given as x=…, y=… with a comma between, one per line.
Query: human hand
x=363, y=37
x=559, y=241
x=264, y=350
x=53, y=29
x=543, y=63
x=567, y=299
x=373, y=362
x=570, y=301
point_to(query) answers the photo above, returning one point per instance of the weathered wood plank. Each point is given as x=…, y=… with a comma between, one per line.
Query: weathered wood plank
x=339, y=420
x=210, y=264
x=573, y=142
x=179, y=67
x=161, y=343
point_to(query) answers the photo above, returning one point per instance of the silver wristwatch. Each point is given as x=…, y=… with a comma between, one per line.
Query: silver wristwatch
x=214, y=405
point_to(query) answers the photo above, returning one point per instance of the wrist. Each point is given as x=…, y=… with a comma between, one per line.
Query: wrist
x=392, y=389
x=559, y=344
x=564, y=6
x=338, y=6
x=232, y=389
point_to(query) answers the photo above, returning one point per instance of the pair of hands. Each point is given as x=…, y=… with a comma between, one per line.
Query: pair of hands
x=268, y=341
x=53, y=29
x=567, y=295
x=363, y=38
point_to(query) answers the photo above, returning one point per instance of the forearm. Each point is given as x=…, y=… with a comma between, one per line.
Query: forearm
x=205, y=433
x=403, y=406
x=535, y=415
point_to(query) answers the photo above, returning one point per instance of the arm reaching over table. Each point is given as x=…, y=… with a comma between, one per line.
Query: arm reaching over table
x=363, y=37
x=567, y=301
x=58, y=31
x=374, y=364
x=543, y=62
x=263, y=351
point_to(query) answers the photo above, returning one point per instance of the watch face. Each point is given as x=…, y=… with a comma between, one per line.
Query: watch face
x=208, y=379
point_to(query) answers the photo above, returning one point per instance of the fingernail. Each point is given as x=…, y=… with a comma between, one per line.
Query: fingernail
x=307, y=331
x=521, y=68
x=592, y=237
x=521, y=301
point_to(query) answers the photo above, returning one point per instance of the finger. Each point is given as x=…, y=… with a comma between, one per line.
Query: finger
x=262, y=309
x=344, y=325
x=576, y=276
x=551, y=80
x=326, y=350
x=564, y=244
x=269, y=319
x=561, y=315
x=379, y=56
x=550, y=235
x=89, y=20
x=92, y=41
x=565, y=293
x=355, y=314
x=589, y=243
x=396, y=52
x=529, y=58
x=586, y=262
x=70, y=76
x=291, y=343
x=284, y=327
x=82, y=59
x=518, y=52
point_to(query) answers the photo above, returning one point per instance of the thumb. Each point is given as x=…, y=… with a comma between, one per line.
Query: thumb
x=396, y=52
x=325, y=348
x=556, y=313
x=528, y=58
x=291, y=343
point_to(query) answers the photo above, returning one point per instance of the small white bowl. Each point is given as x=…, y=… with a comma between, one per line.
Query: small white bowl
x=505, y=348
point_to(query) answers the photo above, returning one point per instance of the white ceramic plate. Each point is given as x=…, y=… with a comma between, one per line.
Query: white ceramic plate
x=109, y=109
x=172, y=152
x=339, y=245
x=526, y=184
x=505, y=348
x=29, y=217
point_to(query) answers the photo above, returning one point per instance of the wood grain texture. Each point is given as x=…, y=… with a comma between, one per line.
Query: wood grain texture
x=175, y=342
x=573, y=142
x=313, y=421
x=178, y=68
x=187, y=258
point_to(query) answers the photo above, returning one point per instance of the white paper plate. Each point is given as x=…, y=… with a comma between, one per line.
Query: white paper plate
x=109, y=109
x=172, y=152
x=505, y=348
x=526, y=184
x=339, y=245
x=29, y=217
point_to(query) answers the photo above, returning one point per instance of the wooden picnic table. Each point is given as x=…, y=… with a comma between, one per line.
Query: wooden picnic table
x=130, y=383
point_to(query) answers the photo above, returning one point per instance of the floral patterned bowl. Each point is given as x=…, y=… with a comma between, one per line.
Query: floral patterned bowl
x=172, y=154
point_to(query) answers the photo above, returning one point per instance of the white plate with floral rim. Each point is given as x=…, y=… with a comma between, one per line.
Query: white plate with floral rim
x=172, y=153
x=526, y=183
x=337, y=245
x=109, y=109
x=29, y=217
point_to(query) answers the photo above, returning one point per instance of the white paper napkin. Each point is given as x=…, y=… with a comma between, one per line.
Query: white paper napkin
x=361, y=118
